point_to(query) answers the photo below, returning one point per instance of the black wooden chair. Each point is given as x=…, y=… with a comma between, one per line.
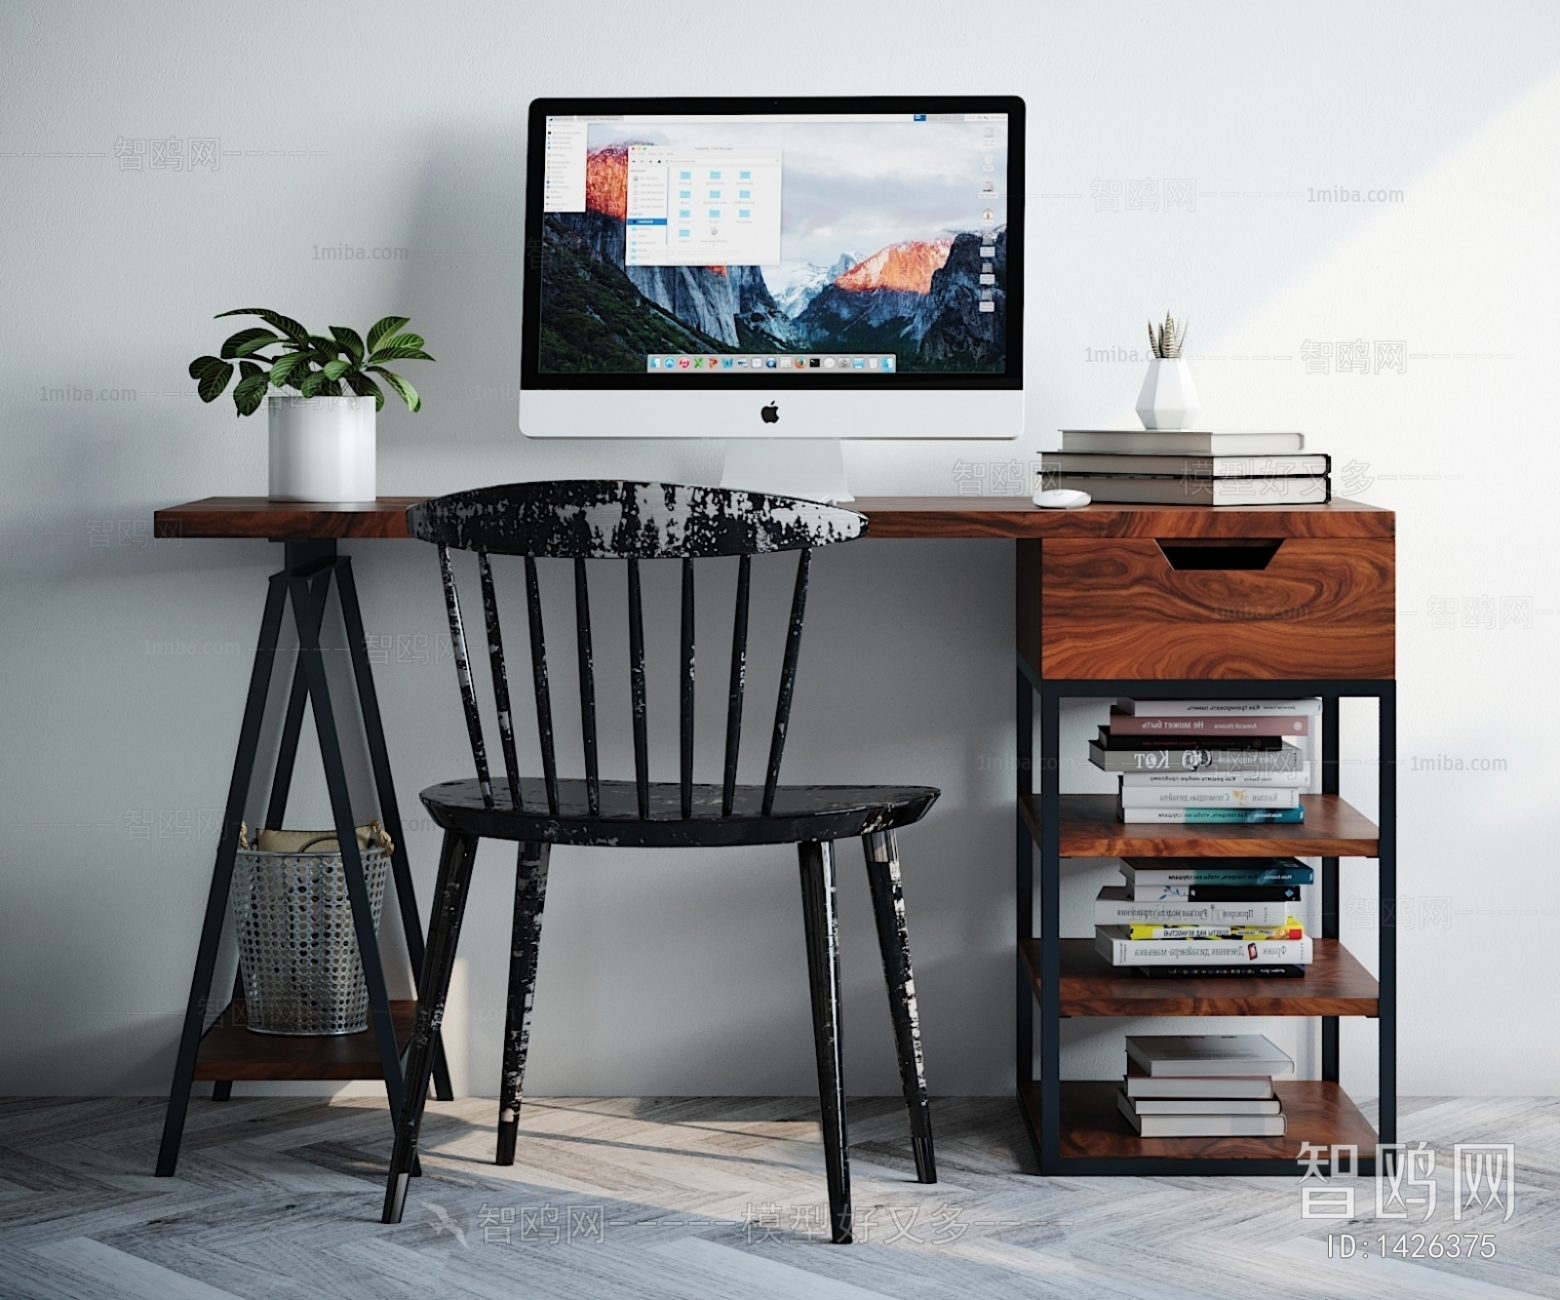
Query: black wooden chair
x=630, y=522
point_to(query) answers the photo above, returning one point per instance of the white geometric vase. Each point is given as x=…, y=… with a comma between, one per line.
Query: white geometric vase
x=322, y=449
x=1169, y=397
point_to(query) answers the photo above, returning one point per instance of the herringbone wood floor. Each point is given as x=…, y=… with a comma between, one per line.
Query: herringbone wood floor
x=717, y=1198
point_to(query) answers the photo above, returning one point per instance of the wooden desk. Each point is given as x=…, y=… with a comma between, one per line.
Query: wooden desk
x=891, y=517
x=1279, y=601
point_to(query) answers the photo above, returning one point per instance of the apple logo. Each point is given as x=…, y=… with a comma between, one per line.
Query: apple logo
x=770, y=414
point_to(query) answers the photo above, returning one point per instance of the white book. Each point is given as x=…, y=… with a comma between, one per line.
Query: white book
x=1116, y=906
x=1175, y=1126
x=1103, y=462
x=1311, y=708
x=1115, y=944
x=1200, y=759
x=1181, y=442
x=1209, y=796
x=1254, y=1087
x=1299, y=778
x=1205, y=1106
x=1185, y=1056
x=1298, y=491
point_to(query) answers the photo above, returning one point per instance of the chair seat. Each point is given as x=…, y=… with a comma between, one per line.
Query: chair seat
x=801, y=813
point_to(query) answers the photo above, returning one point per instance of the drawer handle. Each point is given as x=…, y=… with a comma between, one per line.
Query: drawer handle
x=1219, y=553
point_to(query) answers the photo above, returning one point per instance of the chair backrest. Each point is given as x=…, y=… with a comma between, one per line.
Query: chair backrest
x=604, y=519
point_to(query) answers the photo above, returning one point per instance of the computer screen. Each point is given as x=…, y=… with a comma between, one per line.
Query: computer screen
x=710, y=244
x=838, y=249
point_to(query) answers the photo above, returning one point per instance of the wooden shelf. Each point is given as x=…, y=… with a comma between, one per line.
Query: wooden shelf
x=1335, y=984
x=230, y=1051
x=1319, y=1112
x=1332, y=829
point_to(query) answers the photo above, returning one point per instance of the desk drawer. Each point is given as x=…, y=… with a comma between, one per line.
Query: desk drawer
x=1297, y=607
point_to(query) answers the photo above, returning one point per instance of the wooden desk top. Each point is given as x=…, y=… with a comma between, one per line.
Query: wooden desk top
x=890, y=517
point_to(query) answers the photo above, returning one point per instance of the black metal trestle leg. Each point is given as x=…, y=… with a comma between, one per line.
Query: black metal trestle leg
x=305, y=578
x=221, y=878
x=820, y=917
x=384, y=788
x=888, y=907
x=311, y=656
x=449, y=907
x=530, y=897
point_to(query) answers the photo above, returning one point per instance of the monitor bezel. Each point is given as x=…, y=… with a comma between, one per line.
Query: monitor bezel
x=533, y=378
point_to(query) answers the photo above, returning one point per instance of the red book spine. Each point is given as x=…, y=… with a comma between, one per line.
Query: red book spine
x=1125, y=724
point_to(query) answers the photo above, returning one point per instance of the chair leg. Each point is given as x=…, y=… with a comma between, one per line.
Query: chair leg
x=449, y=906
x=888, y=906
x=820, y=918
x=530, y=896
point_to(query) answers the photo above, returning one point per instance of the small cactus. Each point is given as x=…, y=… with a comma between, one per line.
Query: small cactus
x=1169, y=341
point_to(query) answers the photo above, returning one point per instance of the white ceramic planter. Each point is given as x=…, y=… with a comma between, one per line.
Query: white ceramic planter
x=322, y=448
x=1169, y=397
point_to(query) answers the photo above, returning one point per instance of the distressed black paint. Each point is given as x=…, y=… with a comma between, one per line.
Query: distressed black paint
x=739, y=631
x=525, y=940
x=632, y=522
x=793, y=650
x=888, y=908
x=590, y=519
x=587, y=684
x=685, y=703
x=544, y=723
x=495, y=636
x=468, y=694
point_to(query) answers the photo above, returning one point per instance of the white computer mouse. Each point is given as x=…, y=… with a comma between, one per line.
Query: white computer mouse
x=1061, y=498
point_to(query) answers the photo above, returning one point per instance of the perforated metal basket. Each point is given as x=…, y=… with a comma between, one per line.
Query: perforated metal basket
x=297, y=946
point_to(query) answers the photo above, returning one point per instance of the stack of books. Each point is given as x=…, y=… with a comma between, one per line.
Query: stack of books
x=1209, y=760
x=1203, y=1085
x=1196, y=917
x=1183, y=466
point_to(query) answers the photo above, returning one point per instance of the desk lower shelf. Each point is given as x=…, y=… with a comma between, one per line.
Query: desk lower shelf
x=1094, y=1131
x=1332, y=829
x=230, y=1051
x=1335, y=984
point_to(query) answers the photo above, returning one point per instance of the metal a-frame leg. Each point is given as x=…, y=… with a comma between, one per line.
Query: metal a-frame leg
x=311, y=657
x=389, y=806
x=281, y=782
x=888, y=907
x=305, y=577
x=525, y=941
x=222, y=877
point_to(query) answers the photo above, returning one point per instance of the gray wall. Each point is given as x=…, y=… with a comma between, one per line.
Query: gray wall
x=399, y=127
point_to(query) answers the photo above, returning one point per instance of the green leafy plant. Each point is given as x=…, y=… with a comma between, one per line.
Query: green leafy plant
x=311, y=365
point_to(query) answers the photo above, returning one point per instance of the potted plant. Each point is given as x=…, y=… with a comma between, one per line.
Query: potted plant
x=322, y=412
x=1169, y=397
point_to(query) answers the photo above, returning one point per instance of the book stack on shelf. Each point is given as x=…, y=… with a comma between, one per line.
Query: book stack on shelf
x=1183, y=466
x=1203, y=1085
x=1207, y=761
x=1194, y=917
x=1240, y=761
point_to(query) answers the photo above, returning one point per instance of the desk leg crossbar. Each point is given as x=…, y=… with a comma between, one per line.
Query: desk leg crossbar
x=305, y=578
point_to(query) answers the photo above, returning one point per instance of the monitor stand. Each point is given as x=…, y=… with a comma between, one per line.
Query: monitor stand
x=810, y=468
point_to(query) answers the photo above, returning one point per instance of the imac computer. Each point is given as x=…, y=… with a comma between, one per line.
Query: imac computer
x=777, y=273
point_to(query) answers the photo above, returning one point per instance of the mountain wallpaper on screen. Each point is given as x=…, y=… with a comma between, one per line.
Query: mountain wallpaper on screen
x=919, y=299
